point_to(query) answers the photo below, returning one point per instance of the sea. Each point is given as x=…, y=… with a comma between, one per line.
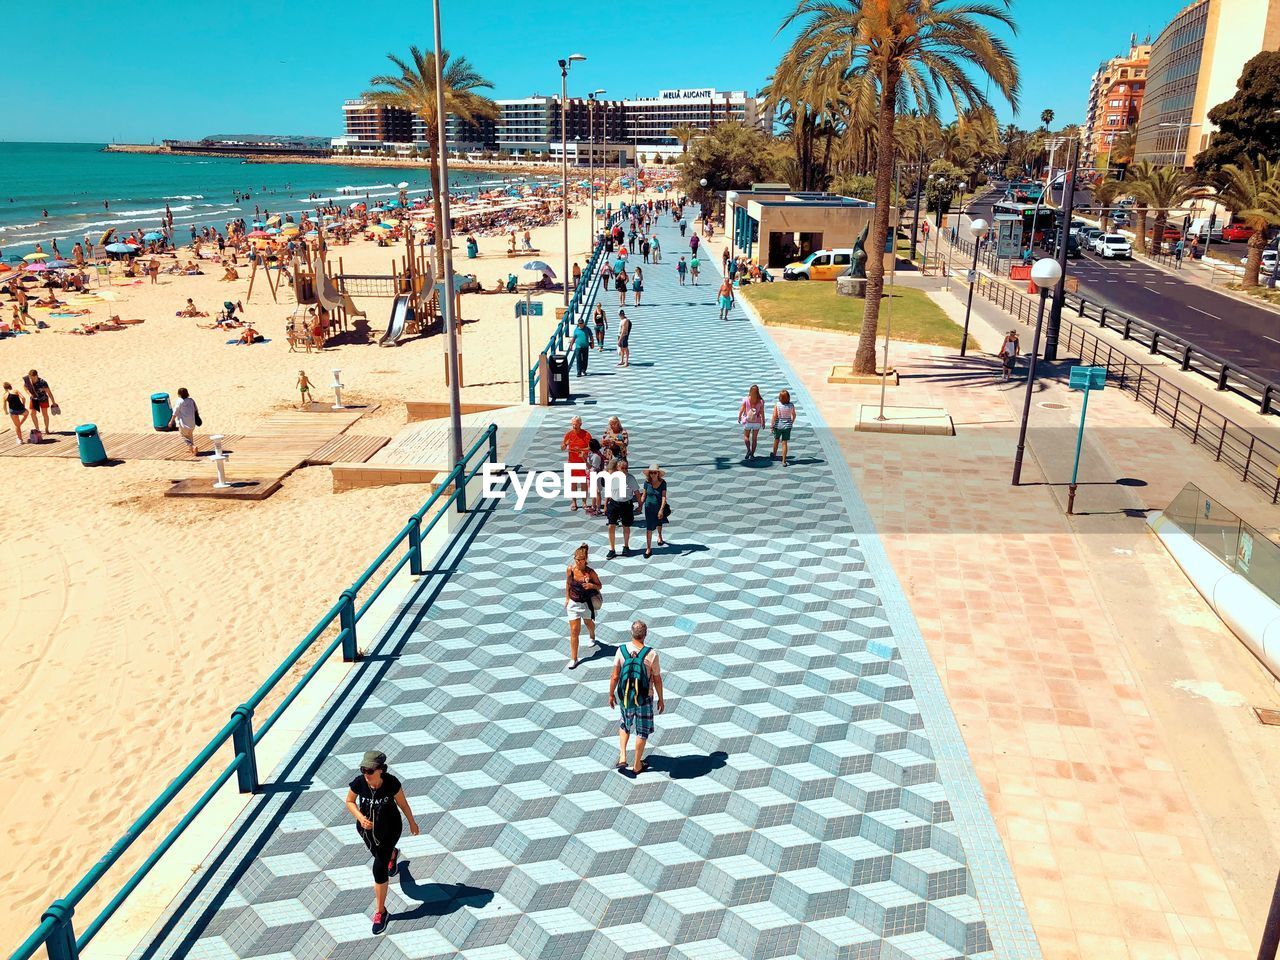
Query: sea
x=62, y=191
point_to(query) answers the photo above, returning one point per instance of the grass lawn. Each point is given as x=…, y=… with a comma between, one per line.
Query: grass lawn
x=813, y=303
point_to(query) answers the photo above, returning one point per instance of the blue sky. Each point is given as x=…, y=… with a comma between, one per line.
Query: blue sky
x=182, y=69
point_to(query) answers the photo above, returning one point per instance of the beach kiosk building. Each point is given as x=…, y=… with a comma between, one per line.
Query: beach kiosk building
x=777, y=226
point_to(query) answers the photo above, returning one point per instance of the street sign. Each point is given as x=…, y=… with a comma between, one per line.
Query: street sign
x=1088, y=378
x=970, y=276
x=534, y=308
x=1244, y=553
x=1008, y=237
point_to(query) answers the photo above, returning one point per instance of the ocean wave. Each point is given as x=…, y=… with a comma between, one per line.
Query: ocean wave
x=186, y=196
x=20, y=226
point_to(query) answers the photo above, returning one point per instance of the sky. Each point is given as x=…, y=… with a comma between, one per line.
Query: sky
x=184, y=70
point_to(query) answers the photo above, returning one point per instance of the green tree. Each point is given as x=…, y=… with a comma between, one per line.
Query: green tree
x=1248, y=124
x=1162, y=189
x=897, y=54
x=1252, y=190
x=730, y=157
x=1046, y=118
x=414, y=90
x=1105, y=193
x=683, y=134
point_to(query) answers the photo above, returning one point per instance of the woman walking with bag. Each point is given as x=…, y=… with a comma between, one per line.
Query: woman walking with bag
x=751, y=417
x=581, y=601
x=653, y=497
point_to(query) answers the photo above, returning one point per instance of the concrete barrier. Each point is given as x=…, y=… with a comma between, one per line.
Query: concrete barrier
x=1249, y=613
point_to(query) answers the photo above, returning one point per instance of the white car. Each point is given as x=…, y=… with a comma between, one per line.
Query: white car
x=1111, y=246
x=1268, y=260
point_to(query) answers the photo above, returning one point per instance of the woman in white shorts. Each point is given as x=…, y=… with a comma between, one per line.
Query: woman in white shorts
x=751, y=417
x=581, y=601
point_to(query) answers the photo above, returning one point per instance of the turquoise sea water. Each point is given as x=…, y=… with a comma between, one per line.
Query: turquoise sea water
x=85, y=190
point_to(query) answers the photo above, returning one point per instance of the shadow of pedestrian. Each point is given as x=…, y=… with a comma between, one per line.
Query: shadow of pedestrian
x=602, y=652
x=687, y=768
x=438, y=899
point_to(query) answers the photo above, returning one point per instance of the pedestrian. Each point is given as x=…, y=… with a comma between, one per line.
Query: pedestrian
x=655, y=250
x=637, y=284
x=614, y=442
x=1177, y=254
x=784, y=418
x=304, y=388
x=684, y=225
x=623, y=495
x=694, y=265
x=645, y=249
x=725, y=297
x=16, y=407
x=581, y=346
x=595, y=468
x=576, y=443
x=1009, y=353
x=751, y=417
x=624, y=339
x=681, y=269
x=582, y=600
x=376, y=799
x=653, y=497
x=601, y=325
x=620, y=284
x=635, y=682
x=693, y=244
x=577, y=275
x=186, y=417
x=42, y=400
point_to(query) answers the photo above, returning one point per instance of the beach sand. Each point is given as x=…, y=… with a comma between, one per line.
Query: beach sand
x=134, y=624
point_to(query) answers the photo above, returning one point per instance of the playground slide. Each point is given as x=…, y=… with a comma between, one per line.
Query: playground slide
x=396, y=325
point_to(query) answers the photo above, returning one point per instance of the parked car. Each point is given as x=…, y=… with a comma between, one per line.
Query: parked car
x=1113, y=246
x=819, y=265
x=1073, y=245
x=1120, y=219
x=1237, y=232
x=1096, y=245
x=1171, y=233
x=1199, y=227
x=1268, y=260
x=1088, y=235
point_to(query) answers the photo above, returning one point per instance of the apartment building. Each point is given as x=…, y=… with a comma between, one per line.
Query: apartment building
x=1116, y=92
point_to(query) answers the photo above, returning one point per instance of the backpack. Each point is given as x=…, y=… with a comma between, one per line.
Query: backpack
x=35, y=436
x=633, y=678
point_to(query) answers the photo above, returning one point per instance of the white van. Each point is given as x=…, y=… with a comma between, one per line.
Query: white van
x=1200, y=226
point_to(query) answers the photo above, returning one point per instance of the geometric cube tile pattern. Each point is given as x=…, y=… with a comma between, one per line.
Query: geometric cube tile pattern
x=795, y=807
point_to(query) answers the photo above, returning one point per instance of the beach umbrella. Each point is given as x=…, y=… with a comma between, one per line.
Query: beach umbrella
x=258, y=234
x=272, y=221
x=35, y=257
x=153, y=235
x=257, y=224
x=542, y=266
x=404, y=184
x=37, y=268
x=311, y=234
x=271, y=231
x=290, y=230
x=59, y=264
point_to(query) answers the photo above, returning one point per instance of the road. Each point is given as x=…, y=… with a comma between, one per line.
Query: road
x=1247, y=335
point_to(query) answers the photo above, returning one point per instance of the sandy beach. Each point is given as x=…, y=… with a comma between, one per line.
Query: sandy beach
x=134, y=623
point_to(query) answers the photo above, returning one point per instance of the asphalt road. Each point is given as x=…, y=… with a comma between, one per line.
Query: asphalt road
x=1239, y=332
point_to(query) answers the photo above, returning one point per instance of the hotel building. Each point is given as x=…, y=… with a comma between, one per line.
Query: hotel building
x=615, y=130
x=1115, y=100
x=1195, y=63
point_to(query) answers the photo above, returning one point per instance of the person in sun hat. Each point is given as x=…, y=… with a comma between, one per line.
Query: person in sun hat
x=376, y=800
x=653, y=497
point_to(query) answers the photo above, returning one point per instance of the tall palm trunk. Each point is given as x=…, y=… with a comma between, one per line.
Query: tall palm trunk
x=1157, y=232
x=437, y=210
x=864, y=361
x=1140, y=216
x=1253, y=262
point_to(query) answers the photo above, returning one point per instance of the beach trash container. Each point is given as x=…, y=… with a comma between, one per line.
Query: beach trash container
x=90, y=445
x=558, y=367
x=161, y=411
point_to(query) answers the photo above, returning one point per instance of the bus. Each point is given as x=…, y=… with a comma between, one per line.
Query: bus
x=1036, y=220
x=1025, y=191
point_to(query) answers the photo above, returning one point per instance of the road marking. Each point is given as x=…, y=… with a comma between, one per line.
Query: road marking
x=1272, y=339
x=1209, y=315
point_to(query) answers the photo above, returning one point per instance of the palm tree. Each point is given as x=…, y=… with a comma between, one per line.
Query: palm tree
x=414, y=90
x=1135, y=179
x=1104, y=195
x=1163, y=189
x=683, y=134
x=1046, y=118
x=1252, y=191
x=895, y=54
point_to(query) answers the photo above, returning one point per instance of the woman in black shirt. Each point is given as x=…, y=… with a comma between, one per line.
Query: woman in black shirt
x=375, y=799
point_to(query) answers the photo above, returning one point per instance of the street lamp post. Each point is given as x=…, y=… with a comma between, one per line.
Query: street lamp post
x=1045, y=274
x=591, y=135
x=732, y=225
x=444, y=236
x=564, y=162
x=978, y=231
x=1064, y=242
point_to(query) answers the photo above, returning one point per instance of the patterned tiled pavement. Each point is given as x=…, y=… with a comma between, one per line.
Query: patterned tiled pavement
x=810, y=795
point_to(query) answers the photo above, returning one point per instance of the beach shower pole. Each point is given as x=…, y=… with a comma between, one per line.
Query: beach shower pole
x=564, y=162
x=444, y=236
x=591, y=135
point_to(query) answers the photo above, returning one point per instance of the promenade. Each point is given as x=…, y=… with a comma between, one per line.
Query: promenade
x=810, y=795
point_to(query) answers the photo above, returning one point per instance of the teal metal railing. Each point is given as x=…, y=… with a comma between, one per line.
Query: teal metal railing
x=56, y=932
x=580, y=301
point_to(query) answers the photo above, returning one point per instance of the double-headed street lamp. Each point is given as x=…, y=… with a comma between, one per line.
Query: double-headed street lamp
x=978, y=230
x=731, y=224
x=1045, y=274
x=591, y=135
x=564, y=162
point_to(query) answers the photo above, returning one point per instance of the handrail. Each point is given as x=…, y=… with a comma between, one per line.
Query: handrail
x=581, y=297
x=55, y=931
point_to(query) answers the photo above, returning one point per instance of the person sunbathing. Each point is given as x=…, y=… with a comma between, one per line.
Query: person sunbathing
x=190, y=310
x=50, y=301
x=249, y=336
x=231, y=273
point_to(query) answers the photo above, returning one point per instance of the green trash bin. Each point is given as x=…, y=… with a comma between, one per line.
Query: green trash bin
x=90, y=444
x=161, y=411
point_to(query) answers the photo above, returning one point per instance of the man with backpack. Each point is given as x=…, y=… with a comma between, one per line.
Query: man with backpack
x=635, y=681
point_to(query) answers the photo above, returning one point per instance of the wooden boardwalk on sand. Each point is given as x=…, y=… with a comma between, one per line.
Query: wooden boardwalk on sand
x=257, y=463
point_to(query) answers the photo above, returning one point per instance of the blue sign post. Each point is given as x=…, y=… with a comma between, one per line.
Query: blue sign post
x=1086, y=379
